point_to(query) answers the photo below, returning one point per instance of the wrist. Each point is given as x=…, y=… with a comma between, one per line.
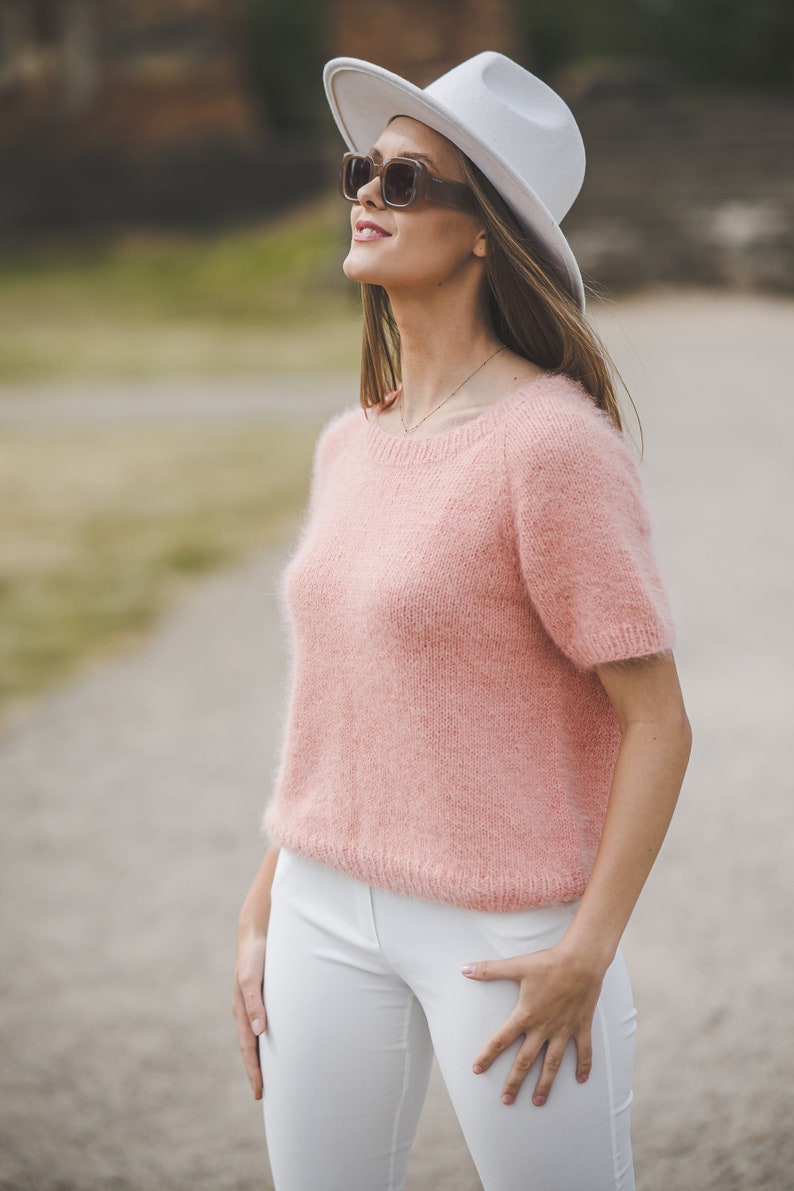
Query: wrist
x=251, y=927
x=588, y=952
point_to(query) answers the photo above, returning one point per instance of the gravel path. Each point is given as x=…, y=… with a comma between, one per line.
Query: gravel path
x=132, y=795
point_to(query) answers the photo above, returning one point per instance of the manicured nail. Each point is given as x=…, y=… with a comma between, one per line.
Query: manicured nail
x=468, y=969
x=539, y=1101
x=256, y=1026
x=507, y=1098
x=478, y=1070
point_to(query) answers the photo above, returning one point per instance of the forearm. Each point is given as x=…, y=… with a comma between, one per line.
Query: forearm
x=255, y=911
x=559, y=987
x=647, y=779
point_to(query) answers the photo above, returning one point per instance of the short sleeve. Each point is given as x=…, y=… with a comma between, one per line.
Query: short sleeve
x=582, y=531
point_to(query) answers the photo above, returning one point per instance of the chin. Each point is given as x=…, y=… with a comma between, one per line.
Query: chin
x=358, y=270
x=349, y=269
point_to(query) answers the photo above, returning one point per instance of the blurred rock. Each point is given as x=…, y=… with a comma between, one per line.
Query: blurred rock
x=689, y=188
x=88, y=76
x=137, y=113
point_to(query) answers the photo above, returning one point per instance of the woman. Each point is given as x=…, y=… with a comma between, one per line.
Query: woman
x=486, y=736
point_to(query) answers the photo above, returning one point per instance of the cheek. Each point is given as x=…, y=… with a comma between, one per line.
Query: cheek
x=434, y=237
x=440, y=251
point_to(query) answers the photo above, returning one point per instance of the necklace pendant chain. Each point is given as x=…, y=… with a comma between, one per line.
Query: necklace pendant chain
x=410, y=429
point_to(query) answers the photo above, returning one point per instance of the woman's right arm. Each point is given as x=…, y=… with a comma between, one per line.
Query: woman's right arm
x=247, y=1004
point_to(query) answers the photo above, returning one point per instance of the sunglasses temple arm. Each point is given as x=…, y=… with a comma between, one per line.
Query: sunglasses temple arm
x=450, y=194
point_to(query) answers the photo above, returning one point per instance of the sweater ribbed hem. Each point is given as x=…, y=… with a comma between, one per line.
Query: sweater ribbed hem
x=504, y=893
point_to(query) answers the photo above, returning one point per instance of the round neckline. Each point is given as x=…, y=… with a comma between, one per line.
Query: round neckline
x=431, y=446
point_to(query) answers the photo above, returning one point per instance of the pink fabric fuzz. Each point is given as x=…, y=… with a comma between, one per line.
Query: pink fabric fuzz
x=449, y=598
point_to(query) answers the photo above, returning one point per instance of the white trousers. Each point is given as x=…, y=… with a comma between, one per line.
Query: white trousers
x=362, y=987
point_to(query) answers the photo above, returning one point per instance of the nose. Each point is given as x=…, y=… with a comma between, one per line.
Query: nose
x=369, y=195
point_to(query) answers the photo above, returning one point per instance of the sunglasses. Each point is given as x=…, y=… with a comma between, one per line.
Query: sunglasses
x=403, y=183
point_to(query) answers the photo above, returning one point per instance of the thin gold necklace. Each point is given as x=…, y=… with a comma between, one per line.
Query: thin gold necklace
x=436, y=408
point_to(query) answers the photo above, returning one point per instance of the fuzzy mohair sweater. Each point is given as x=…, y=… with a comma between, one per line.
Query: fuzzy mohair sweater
x=447, y=736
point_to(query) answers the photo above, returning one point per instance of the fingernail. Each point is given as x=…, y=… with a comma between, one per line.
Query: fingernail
x=539, y=1101
x=468, y=969
x=256, y=1026
x=507, y=1098
x=583, y=1078
x=478, y=1070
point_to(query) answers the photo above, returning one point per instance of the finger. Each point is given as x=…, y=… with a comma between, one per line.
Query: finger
x=552, y=1061
x=497, y=1045
x=251, y=992
x=249, y=1049
x=492, y=969
x=522, y=1065
x=584, y=1057
x=249, y=1046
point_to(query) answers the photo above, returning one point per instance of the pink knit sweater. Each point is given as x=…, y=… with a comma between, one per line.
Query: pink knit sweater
x=447, y=736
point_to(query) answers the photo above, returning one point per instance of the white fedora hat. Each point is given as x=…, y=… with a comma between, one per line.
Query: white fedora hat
x=510, y=124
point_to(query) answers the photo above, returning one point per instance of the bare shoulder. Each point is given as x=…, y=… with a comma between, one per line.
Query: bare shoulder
x=513, y=371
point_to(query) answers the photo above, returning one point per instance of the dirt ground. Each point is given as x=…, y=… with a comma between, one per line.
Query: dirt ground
x=131, y=799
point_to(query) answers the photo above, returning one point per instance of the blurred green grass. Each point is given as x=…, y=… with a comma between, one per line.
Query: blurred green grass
x=270, y=297
x=100, y=528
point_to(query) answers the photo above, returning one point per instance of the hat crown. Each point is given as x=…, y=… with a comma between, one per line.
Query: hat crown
x=527, y=123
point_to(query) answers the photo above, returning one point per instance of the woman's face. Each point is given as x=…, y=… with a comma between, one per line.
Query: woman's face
x=426, y=246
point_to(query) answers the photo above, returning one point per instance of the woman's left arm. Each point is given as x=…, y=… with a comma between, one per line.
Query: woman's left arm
x=559, y=987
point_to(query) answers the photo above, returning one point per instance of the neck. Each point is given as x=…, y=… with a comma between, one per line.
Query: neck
x=442, y=340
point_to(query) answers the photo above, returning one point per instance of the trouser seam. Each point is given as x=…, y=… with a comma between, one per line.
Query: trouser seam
x=613, y=1141
x=409, y=1005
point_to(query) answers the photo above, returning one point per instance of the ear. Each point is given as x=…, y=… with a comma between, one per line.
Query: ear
x=481, y=245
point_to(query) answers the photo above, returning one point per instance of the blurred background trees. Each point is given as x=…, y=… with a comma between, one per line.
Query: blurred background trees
x=285, y=48
x=728, y=45
x=190, y=114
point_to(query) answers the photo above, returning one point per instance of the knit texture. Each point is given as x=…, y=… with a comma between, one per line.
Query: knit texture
x=447, y=736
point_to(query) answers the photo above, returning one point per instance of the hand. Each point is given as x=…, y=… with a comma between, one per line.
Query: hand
x=247, y=1004
x=556, y=1003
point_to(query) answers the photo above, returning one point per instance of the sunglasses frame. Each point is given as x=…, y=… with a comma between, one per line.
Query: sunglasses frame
x=426, y=187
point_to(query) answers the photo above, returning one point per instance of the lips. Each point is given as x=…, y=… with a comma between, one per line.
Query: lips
x=367, y=230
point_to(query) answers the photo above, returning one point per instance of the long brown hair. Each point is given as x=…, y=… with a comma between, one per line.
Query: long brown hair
x=532, y=311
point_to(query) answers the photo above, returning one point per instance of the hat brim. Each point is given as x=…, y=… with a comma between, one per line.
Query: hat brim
x=364, y=98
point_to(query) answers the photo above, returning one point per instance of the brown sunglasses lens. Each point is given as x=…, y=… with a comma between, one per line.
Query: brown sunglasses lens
x=398, y=180
x=357, y=173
